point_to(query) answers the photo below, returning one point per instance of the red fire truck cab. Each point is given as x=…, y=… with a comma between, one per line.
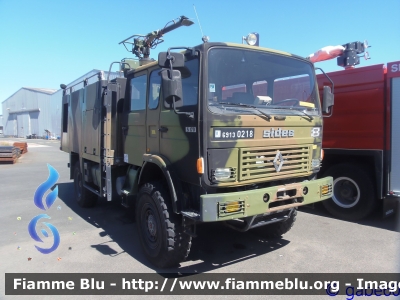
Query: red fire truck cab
x=362, y=140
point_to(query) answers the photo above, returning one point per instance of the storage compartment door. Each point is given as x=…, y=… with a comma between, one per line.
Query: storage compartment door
x=395, y=138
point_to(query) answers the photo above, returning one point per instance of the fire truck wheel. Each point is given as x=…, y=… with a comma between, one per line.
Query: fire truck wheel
x=353, y=192
x=276, y=230
x=84, y=197
x=160, y=232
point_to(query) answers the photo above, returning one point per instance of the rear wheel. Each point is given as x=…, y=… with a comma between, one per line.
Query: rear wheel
x=161, y=235
x=276, y=230
x=353, y=192
x=83, y=196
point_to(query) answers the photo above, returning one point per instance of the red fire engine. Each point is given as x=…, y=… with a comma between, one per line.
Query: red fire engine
x=362, y=140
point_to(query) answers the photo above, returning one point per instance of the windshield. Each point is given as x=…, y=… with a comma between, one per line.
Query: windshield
x=242, y=81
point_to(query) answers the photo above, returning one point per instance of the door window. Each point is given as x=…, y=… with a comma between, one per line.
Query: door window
x=138, y=93
x=154, y=89
x=190, y=84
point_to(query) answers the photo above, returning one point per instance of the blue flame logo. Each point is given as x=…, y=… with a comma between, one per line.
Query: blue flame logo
x=52, y=196
x=50, y=199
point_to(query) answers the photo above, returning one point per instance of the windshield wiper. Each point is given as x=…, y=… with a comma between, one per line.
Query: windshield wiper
x=302, y=111
x=292, y=109
x=247, y=105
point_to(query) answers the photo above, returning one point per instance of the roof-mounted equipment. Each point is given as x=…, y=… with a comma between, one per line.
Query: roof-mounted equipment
x=141, y=44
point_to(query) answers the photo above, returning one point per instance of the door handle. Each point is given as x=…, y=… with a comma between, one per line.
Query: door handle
x=163, y=129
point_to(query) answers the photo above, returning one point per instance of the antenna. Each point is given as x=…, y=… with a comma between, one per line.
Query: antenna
x=204, y=38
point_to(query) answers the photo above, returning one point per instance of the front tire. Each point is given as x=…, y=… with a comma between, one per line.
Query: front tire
x=354, y=194
x=83, y=196
x=161, y=235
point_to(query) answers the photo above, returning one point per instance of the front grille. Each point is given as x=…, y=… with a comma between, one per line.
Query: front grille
x=274, y=162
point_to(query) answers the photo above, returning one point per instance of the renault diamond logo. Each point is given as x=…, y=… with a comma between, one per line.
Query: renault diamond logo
x=278, y=161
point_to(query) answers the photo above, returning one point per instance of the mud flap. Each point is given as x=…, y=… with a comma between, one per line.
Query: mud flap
x=391, y=206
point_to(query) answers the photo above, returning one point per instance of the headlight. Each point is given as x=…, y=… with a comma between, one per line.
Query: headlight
x=222, y=173
x=251, y=39
x=315, y=163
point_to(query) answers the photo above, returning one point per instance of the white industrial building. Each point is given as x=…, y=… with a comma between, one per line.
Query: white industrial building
x=30, y=111
x=37, y=111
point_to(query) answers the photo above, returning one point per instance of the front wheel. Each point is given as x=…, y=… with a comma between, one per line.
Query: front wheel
x=161, y=235
x=353, y=192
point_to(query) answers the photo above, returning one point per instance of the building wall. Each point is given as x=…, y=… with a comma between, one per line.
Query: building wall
x=30, y=111
x=26, y=112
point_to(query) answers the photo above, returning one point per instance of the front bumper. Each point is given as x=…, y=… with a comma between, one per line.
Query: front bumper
x=236, y=205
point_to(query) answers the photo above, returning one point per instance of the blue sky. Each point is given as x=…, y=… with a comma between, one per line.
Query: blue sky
x=44, y=43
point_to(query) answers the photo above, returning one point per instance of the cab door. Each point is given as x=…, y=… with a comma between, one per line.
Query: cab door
x=153, y=113
x=179, y=134
x=135, y=141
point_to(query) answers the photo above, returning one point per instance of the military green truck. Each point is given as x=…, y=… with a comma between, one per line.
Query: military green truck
x=219, y=132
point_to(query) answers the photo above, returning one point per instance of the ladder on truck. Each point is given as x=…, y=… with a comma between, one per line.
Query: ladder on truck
x=107, y=159
x=111, y=91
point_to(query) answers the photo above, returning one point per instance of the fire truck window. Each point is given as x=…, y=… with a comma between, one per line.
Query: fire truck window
x=154, y=89
x=229, y=90
x=65, y=117
x=260, y=88
x=138, y=93
x=295, y=87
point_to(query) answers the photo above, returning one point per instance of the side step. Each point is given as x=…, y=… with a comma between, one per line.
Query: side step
x=191, y=214
x=124, y=198
x=189, y=220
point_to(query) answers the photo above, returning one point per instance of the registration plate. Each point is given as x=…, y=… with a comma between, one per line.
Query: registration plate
x=233, y=133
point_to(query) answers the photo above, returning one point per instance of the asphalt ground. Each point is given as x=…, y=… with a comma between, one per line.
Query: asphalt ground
x=105, y=239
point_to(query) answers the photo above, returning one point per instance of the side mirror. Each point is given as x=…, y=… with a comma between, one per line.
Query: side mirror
x=171, y=85
x=178, y=60
x=327, y=99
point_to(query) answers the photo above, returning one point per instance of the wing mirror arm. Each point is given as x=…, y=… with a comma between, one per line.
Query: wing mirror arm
x=189, y=114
